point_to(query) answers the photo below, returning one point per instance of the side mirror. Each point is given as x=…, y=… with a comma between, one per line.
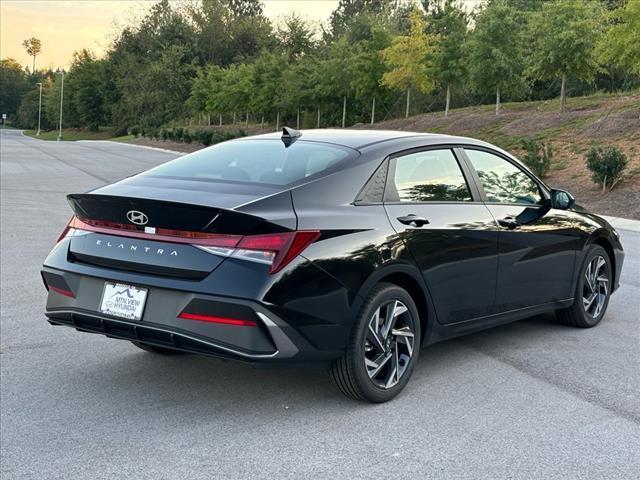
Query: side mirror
x=561, y=199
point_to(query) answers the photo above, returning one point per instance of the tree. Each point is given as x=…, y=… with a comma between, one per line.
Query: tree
x=621, y=43
x=33, y=46
x=13, y=85
x=410, y=59
x=369, y=67
x=84, y=87
x=347, y=11
x=333, y=74
x=51, y=104
x=268, y=71
x=246, y=8
x=496, y=47
x=296, y=36
x=565, y=35
x=152, y=66
x=450, y=62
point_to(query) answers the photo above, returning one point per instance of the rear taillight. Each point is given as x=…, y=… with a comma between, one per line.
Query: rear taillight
x=66, y=229
x=216, y=319
x=275, y=249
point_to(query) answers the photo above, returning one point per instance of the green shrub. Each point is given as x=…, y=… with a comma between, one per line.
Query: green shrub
x=164, y=134
x=135, y=131
x=187, y=137
x=606, y=165
x=119, y=131
x=205, y=137
x=178, y=134
x=537, y=156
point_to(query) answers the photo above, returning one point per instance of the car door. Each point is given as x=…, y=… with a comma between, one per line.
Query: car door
x=537, y=244
x=449, y=231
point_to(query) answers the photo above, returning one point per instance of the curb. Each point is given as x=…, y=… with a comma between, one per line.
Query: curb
x=623, y=223
x=158, y=149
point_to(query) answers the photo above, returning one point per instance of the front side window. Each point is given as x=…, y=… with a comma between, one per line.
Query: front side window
x=503, y=181
x=429, y=176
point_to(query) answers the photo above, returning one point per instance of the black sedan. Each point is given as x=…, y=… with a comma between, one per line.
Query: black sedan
x=347, y=249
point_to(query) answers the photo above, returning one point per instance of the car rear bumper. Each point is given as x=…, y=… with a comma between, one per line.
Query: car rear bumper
x=270, y=338
x=179, y=339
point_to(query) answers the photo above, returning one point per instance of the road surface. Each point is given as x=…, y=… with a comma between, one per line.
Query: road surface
x=531, y=400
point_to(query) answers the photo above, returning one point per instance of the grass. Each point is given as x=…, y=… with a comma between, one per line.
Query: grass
x=73, y=134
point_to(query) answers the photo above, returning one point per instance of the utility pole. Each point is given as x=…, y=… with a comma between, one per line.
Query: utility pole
x=61, y=98
x=39, y=108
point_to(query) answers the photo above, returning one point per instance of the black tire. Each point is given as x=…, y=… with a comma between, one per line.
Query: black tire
x=350, y=373
x=154, y=349
x=579, y=314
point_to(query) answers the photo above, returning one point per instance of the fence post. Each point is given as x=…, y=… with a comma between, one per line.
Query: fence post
x=373, y=110
x=318, y=118
x=344, y=111
x=278, y=121
x=298, y=120
x=446, y=108
x=406, y=113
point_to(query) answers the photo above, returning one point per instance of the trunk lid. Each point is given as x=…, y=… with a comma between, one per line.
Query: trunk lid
x=151, y=226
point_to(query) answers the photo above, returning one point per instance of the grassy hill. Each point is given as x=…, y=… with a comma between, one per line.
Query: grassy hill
x=592, y=120
x=596, y=119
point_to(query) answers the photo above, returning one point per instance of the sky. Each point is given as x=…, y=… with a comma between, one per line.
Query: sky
x=67, y=25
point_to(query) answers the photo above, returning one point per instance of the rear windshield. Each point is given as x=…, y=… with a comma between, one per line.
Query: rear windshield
x=256, y=161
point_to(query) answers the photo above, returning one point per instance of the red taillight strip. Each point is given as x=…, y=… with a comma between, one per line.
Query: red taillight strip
x=62, y=291
x=162, y=235
x=285, y=246
x=214, y=319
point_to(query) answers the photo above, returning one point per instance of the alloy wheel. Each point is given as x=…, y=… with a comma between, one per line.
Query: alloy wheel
x=596, y=286
x=389, y=344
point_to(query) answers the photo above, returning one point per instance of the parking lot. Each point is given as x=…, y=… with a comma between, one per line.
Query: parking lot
x=533, y=399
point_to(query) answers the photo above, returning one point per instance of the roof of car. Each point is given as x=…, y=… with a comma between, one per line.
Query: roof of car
x=350, y=138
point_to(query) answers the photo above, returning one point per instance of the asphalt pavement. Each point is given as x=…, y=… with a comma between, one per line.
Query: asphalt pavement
x=530, y=400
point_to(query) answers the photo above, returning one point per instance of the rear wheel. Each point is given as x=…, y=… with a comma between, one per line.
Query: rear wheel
x=592, y=291
x=155, y=349
x=383, y=348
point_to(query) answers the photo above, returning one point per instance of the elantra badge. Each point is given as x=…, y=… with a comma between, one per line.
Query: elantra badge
x=137, y=217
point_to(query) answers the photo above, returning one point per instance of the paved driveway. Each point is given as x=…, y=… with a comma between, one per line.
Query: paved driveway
x=529, y=400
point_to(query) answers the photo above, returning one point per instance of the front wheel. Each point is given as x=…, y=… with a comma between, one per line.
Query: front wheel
x=593, y=290
x=383, y=348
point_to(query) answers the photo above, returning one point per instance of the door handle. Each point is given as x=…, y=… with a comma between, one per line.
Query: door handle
x=413, y=219
x=509, y=222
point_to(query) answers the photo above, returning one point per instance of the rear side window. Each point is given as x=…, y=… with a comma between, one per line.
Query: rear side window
x=503, y=182
x=256, y=161
x=429, y=176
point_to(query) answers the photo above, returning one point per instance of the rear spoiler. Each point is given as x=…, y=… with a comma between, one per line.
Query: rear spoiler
x=144, y=212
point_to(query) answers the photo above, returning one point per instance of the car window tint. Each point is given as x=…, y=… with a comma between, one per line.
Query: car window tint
x=255, y=161
x=430, y=176
x=503, y=182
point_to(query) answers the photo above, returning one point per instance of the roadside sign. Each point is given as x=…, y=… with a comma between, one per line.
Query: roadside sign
x=4, y=116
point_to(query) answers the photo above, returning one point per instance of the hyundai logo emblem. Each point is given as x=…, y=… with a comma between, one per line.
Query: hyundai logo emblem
x=137, y=217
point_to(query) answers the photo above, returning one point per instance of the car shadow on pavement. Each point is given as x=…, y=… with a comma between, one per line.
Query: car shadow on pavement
x=208, y=381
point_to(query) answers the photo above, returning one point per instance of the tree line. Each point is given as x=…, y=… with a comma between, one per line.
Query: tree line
x=211, y=62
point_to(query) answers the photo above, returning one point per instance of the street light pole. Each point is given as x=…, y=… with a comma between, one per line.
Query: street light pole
x=61, y=97
x=39, y=108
